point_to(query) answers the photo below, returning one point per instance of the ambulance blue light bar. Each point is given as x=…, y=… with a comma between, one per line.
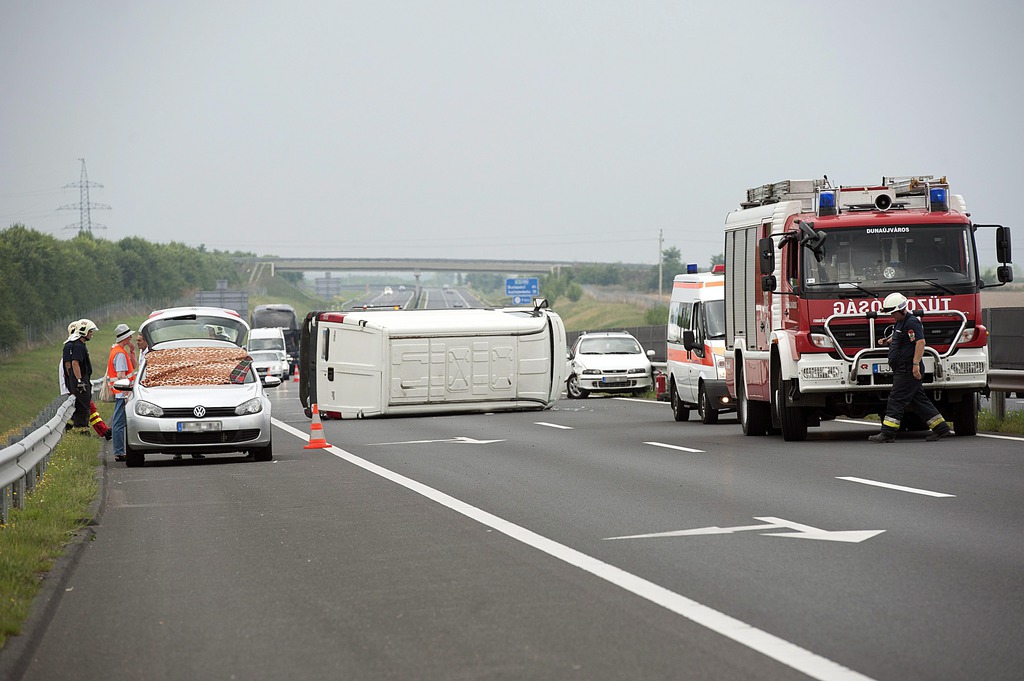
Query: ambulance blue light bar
x=691, y=268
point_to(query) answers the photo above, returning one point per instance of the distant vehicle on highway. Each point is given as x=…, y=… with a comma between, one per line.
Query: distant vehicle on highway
x=388, y=291
x=608, y=362
x=271, y=363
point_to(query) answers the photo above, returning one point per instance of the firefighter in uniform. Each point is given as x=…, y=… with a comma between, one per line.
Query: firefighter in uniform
x=906, y=348
x=78, y=371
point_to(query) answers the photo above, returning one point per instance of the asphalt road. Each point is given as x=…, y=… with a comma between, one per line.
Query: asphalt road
x=510, y=546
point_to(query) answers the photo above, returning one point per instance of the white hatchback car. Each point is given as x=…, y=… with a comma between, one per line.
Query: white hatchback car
x=270, y=363
x=610, y=362
x=196, y=390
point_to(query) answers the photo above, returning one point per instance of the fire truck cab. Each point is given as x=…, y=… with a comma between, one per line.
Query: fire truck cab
x=807, y=267
x=696, y=345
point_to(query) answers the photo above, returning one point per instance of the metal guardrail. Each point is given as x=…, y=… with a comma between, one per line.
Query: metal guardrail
x=23, y=464
x=1000, y=382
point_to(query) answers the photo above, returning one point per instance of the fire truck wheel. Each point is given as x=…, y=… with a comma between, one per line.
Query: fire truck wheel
x=680, y=412
x=965, y=417
x=572, y=387
x=708, y=415
x=754, y=416
x=792, y=419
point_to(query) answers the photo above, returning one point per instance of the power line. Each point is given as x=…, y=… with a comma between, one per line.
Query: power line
x=84, y=206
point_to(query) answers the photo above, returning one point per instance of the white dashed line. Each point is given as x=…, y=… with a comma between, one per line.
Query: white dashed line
x=551, y=425
x=680, y=448
x=900, y=488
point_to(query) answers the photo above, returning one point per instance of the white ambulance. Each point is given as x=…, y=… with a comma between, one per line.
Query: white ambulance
x=696, y=345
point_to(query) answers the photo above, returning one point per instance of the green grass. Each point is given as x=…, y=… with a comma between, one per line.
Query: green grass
x=1012, y=424
x=35, y=537
x=588, y=314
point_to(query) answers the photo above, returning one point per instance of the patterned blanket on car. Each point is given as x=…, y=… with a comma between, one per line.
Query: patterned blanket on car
x=196, y=366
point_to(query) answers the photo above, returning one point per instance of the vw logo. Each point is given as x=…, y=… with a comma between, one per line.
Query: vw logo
x=199, y=411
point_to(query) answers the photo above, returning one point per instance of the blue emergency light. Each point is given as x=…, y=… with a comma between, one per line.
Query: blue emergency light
x=827, y=202
x=691, y=268
x=937, y=199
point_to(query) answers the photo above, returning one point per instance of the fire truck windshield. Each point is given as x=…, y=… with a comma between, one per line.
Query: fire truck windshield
x=882, y=257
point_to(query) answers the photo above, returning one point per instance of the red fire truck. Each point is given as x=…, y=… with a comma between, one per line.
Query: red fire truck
x=807, y=267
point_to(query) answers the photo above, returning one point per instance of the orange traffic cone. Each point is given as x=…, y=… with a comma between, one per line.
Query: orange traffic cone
x=295, y=374
x=316, y=432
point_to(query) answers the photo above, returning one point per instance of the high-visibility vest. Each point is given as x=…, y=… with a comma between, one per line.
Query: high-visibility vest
x=112, y=372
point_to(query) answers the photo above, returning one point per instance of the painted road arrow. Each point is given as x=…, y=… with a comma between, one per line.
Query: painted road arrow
x=457, y=440
x=769, y=523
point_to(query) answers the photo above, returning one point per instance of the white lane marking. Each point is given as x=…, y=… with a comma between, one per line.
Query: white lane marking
x=879, y=425
x=637, y=399
x=552, y=425
x=789, y=654
x=679, y=447
x=458, y=440
x=770, y=523
x=900, y=488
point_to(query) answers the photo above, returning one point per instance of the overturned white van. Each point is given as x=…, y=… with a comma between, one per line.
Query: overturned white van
x=399, y=362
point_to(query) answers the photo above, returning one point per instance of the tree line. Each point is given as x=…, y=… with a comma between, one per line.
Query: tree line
x=44, y=279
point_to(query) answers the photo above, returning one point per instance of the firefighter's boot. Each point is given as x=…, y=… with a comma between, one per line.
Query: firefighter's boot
x=940, y=429
x=888, y=432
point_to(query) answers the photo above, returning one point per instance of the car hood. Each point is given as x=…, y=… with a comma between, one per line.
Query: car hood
x=170, y=397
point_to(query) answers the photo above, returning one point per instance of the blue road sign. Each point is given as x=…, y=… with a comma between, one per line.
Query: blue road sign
x=524, y=286
x=522, y=300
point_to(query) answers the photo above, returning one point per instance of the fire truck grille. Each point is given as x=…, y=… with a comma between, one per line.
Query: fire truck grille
x=853, y=337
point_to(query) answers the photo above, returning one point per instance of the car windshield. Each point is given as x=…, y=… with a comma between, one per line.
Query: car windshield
x=610, y=346
x=195, y=326
x=267, y=356
x=265, y=343
x=196, y=366
x=883, y=256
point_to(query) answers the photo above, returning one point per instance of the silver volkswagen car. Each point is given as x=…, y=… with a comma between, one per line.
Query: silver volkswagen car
x=197, y=391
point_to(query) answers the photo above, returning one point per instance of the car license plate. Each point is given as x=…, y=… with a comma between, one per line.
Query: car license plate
x=197, y=426
x=614, y=381
x=882, y=368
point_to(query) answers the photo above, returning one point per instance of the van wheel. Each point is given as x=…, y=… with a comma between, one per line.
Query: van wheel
x=754, y=417
x=965, y=418
x=572, y=387
x=708, y=414
x=680, y=412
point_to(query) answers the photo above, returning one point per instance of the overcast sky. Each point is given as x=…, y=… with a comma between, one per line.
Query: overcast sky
x=549, y=129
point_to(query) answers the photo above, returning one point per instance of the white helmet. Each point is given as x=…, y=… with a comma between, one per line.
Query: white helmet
x=85, y=326
x=895, y=302
x=72, y=327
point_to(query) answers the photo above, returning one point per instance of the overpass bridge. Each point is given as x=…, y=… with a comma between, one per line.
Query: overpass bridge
x=517, y=267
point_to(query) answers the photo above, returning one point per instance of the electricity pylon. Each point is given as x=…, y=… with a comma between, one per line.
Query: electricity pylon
x=84, y=206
